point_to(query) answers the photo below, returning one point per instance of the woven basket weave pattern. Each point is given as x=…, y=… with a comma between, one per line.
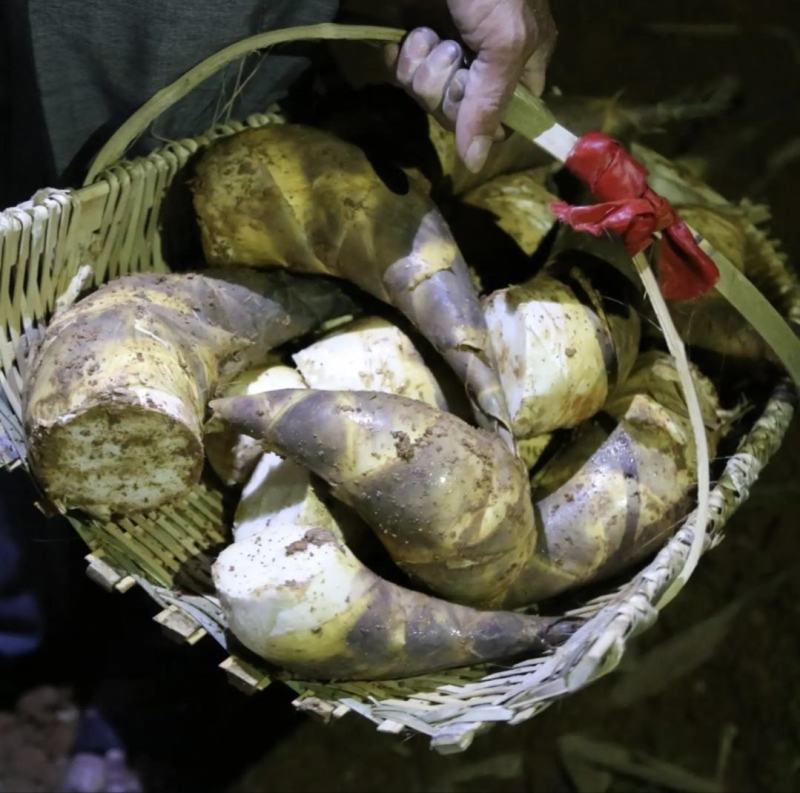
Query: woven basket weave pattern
x=112, y=228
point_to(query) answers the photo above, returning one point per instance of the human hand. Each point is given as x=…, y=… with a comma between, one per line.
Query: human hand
x=511, y=39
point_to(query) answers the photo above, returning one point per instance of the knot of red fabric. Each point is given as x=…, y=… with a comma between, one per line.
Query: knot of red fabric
x=633, y=210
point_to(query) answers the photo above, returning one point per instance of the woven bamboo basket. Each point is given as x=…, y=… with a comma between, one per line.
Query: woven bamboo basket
x=62, y=241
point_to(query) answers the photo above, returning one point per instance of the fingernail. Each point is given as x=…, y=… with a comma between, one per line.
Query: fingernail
x=420, y=42
x=477, y=152
x=452, y=52
x=455, y=88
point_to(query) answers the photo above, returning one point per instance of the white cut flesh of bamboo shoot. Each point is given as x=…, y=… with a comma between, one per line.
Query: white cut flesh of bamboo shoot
x=234, y=456
x=369, y=354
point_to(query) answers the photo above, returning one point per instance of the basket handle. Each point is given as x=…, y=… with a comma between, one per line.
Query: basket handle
x=118, y=143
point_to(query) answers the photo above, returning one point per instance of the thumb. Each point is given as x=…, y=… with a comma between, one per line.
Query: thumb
x=534, y=73
x=490, y=82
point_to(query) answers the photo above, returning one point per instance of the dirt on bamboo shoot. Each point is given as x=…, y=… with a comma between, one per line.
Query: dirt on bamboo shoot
x=292, y=196
x=562, y=344
x=115, y=399
x=369, y=354
x=297, y=596
x=452, y=505
x=618, y=492
x=446, y=500
x=233, y=456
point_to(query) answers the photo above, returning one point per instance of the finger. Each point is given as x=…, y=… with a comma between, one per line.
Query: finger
x=489, y=85
x=435, y=72
x=451, y=102
x=415, y=49
x=534, y=75
x=453, y=94
x=535, y=71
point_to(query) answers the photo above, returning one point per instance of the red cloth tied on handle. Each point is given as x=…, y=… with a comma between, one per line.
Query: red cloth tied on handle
x=634, y=211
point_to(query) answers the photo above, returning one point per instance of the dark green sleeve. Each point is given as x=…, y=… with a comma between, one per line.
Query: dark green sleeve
x=96, y=61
